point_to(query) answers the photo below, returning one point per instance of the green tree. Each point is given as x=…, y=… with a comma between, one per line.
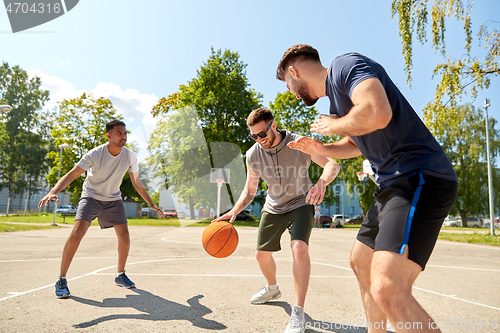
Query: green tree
x=463, y=138
x=365, y=188
x=81, y=125
x=457, y=73
x=179, y=156
x=292, y=114
x=221, y=98
x=127, y=188
x=20, y=159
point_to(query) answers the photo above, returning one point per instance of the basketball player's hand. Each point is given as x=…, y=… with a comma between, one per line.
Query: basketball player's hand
x=46, y=199
x=316, y=193
x=323, y=125
x=311, y=146
x=158, y=209
x=231, y=216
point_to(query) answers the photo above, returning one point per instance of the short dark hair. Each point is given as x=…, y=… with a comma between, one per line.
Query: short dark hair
x=258, y=115
x=110, y=125
x=298, y=51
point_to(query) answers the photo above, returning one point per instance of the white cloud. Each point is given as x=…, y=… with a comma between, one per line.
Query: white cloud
x=134, y=106
x=129, y=102
x=59, y=89
x=62, y=62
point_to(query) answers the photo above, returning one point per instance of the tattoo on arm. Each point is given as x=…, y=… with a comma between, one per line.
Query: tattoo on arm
x=247, y=198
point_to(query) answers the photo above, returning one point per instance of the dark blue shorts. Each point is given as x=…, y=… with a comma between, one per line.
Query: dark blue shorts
x=409, y=213
x=109, y=213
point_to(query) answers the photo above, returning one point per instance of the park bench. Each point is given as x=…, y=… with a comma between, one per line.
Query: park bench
x=64, y=215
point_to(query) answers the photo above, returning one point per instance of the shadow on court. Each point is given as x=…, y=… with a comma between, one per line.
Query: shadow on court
x=155, y=308
x=328, y=326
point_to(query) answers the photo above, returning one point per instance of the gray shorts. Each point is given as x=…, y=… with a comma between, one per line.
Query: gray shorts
x=109, y=213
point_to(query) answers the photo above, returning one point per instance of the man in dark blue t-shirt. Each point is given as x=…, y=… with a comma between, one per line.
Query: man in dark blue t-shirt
x=418, y=185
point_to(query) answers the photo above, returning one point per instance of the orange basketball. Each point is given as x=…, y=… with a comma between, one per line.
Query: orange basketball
x=220, y=239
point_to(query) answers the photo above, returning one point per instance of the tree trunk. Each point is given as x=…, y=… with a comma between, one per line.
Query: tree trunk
x=463, y=215
x=11, y=191
x=191, y=208
x=29, y=192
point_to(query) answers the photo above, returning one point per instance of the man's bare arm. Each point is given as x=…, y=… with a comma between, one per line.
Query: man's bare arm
x=342, y=149
x=141, y=189
x=61, y=185
x=371, y=112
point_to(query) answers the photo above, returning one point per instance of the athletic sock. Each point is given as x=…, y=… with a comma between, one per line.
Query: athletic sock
x=273, y=287
x=118, y=274
x=62, y=277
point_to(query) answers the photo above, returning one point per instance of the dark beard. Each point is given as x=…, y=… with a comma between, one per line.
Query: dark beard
x=306, y=98
x=304, y=94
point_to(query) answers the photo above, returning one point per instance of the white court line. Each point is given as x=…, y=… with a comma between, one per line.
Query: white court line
x=96, y=272
x=168, y=239
x=330, y=265
x=16, y=294
x=458, y=299
x=27, y=260
x=469, y=268
x=226, y=275
x=483, y=246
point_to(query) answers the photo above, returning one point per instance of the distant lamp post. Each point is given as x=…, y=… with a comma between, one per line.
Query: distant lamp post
x=5, y=108
x=61, y=147
x=490, y=180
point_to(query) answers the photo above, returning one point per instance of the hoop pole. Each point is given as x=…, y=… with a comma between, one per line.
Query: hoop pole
x=219, y=187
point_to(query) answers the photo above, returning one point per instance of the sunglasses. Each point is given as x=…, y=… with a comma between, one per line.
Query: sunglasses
x=262, y=134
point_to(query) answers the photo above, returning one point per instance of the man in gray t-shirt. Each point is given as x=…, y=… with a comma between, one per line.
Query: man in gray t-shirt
x=289, y=201
x=101, y=197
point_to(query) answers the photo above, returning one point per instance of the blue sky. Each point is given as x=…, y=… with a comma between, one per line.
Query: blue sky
x=135, y=52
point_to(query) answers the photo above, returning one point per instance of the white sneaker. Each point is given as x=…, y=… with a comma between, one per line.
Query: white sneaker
x=297, y=322
x=265, y=294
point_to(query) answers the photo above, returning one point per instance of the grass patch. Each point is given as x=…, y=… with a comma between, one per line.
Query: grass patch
x=464, y=228
x=474, y=238
x=351, y=226
x=42, y=218
x=48, y=218
x=6, y=227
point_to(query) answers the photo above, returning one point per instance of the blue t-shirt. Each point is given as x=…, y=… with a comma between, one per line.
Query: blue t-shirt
x=405, y=145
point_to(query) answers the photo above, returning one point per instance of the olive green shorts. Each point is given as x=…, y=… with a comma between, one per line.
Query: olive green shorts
x=298, y=221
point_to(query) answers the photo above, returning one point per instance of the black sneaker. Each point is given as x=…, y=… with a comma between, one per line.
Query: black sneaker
x=62, y=290
x=122, y=280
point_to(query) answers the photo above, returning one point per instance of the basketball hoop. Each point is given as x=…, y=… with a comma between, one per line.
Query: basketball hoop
x=361, y=176
x=220, y=181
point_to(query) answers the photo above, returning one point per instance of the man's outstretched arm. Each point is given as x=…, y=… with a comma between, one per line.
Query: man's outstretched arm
x=371, y=112
x=141, y=189
x=61, y=185
x=342, y=149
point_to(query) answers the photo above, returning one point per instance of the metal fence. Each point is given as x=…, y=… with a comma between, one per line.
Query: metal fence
x=28, y=204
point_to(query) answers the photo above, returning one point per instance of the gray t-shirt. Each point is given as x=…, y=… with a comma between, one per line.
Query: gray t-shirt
x=285, y=172
x=105, y=172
